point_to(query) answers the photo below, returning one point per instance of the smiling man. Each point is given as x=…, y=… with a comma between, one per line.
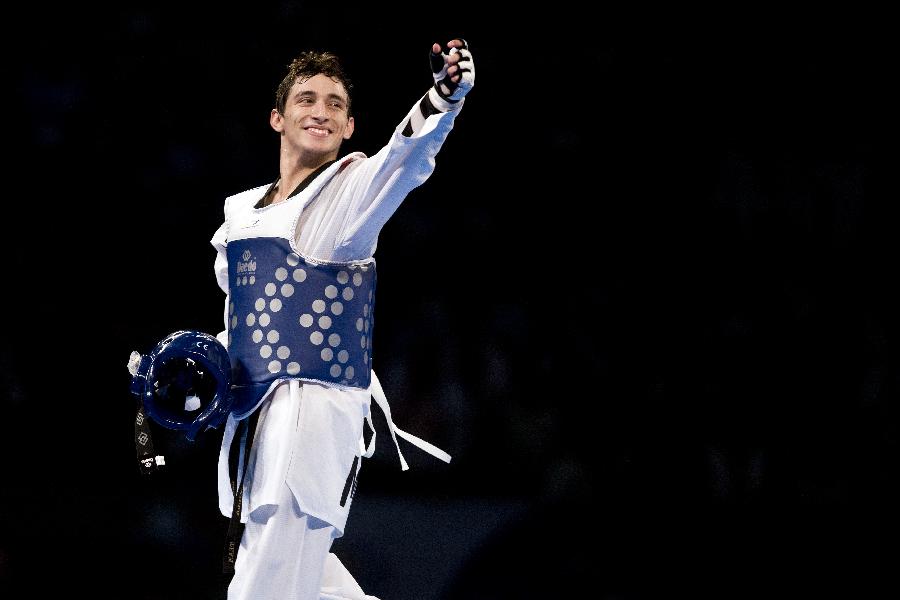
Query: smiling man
x=313, y=117
x=295, y=259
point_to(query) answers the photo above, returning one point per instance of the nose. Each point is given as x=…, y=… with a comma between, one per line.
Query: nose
x=318, y=110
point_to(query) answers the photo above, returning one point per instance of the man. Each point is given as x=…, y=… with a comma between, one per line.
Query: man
x=295, y=259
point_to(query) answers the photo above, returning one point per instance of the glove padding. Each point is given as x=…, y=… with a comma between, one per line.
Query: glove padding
x=449, y=90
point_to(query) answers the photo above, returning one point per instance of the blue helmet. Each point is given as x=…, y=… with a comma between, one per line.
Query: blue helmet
x=184, y=382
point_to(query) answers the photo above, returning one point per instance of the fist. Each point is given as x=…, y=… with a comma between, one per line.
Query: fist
x=454, y=71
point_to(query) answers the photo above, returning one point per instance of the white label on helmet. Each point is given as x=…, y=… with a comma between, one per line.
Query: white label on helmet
x=191, y=403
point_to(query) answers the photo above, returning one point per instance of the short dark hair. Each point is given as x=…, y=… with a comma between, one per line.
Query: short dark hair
x=309, y=64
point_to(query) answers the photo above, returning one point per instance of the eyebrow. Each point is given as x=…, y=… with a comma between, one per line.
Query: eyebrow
x=303, y=93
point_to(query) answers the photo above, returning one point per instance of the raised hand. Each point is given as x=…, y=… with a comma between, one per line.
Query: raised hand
x=454, y=71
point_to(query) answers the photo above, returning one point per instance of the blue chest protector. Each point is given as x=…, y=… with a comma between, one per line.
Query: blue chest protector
x=290, y=318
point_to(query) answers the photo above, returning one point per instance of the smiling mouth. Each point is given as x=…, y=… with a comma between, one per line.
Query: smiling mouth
x=317, y=131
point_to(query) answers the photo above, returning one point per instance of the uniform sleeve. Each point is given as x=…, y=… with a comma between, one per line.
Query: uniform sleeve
x=375, y=187
x=219, y=241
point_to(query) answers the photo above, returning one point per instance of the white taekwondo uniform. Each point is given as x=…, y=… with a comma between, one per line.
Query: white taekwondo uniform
x=310, y=434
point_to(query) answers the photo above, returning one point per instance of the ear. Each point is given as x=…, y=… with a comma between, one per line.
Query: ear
x=348, y=130
x=276, y=120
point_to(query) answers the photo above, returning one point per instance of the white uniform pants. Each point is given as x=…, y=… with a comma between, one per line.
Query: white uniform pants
x=284, y=555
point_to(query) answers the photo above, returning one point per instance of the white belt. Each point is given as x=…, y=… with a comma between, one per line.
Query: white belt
x=378, y=393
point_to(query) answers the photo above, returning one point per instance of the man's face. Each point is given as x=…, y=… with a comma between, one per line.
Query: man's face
x=315, y=119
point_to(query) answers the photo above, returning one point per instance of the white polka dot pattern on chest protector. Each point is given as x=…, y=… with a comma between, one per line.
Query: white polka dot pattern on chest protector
x=263, y=319
x=305, y=319
x=334, y=340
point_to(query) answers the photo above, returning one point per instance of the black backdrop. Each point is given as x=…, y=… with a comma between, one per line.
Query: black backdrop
x=646, y=300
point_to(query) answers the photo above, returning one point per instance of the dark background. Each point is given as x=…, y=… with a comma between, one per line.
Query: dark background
x=647, y=300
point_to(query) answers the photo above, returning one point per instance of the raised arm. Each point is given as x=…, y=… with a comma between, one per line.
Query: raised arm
x=378, y=185
x=355, y=203
x=454, y=76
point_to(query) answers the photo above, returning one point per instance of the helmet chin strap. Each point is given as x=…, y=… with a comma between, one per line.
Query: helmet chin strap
x=148, y=461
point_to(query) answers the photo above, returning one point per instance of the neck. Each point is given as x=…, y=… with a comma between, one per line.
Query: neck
x=294, y=167
x=282, y=190
x=294, y=170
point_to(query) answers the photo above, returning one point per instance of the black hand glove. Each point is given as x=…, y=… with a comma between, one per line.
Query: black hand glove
x=449, y=90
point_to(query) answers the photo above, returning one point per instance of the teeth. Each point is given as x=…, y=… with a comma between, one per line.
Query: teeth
x=316, y=131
